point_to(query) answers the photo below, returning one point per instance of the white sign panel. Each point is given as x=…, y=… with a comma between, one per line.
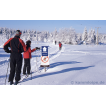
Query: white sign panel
x=44, y=57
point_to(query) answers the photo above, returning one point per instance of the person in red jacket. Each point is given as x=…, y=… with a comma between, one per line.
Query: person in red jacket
x=60, y=45
x=27, y=57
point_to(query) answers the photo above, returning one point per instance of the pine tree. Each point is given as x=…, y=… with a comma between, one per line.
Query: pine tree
x=84, y=36
x=93, y=37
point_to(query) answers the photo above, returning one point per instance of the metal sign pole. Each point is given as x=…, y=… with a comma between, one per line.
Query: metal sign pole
x=45, y=69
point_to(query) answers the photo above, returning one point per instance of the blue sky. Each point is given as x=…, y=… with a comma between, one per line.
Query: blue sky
x=50, y=25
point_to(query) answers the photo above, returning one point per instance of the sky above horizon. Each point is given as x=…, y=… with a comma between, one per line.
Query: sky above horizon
x=50, y=25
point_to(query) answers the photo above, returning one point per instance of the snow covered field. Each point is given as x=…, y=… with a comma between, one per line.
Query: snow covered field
x=73, y=65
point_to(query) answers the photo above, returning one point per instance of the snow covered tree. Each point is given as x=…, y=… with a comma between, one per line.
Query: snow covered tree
x=28, y=32
x=67, y=36
x=64, y=35
x=84, y=36
x=79, y=38
x=50, y=37
x=91, y=37
x=4, y=34
x=54, y=35
x=0, y=30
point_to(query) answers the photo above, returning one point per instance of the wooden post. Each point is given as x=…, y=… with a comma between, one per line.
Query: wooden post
x=97, y=35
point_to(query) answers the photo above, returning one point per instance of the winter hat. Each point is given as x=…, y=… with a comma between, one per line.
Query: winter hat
x=28, y=42
x=18, y=32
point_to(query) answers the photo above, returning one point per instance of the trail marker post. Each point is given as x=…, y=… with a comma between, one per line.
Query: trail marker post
x=97, y=35
x=44, y=57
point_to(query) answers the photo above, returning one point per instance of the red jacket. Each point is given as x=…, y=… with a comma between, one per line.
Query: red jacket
x=60, y=44
x=27, y=54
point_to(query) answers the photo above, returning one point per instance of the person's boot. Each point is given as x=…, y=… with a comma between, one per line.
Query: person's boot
x=16, y=82
x=11, y=82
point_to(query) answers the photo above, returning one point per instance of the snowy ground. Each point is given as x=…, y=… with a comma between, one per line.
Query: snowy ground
x=73, y=65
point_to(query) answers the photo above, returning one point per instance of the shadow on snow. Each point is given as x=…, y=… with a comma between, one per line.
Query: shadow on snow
x=59, y=72
x=62, y=71
x=2, y=76
x=5, y=55
x=62, y=63
x=59, y=63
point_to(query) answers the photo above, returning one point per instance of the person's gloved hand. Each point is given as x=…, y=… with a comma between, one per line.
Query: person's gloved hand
x=37, y=48
x=8, y=51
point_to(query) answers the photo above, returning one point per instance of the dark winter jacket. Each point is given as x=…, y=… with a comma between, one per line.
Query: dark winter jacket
x=16, y=45
x=27, y=54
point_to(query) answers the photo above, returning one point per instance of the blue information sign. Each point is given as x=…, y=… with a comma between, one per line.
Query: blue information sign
x=44, y=50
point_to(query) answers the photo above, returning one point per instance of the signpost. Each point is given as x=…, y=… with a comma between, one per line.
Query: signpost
x=97, y=35
x=44, y=57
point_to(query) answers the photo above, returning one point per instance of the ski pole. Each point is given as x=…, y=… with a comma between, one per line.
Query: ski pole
x=7, y=71
x=36, y=61
x=39, y=58
x=31, y=74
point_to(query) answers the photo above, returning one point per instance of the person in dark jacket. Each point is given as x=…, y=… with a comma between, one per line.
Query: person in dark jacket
x=17, y=47
x=27, y=57
x=55, y=42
